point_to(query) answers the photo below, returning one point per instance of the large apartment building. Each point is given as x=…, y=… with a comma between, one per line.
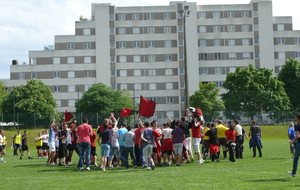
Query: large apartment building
x=157, y=52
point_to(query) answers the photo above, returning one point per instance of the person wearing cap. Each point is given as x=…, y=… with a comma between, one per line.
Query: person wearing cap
x=255, y=141
x=221, y=129
x=291, y=136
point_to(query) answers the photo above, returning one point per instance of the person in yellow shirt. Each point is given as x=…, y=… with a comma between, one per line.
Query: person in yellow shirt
x=39, y=143
x=16, y=141
x=221, y=129
x=205, y=144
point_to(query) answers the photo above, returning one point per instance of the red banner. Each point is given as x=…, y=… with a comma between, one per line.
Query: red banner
x=147, y=107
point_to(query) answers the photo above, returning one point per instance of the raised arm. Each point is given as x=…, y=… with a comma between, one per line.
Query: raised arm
x=169, y=118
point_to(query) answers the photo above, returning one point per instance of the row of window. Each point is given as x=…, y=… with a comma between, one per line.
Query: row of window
x=228, y=42
x=150, y=72
x=281, y=41
x=56, y=74
x=223, y=56
x=147, y=44
x=139, y=16
x=153, y=86
x=85, y=45
x=228, y=28
x=151, y=58
x=228, y=14
x=168, y=15
x=146, y=30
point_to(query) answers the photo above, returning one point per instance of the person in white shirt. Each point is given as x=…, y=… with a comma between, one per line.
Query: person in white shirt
x=239, y=140
x=1, y=147
x=167, y=146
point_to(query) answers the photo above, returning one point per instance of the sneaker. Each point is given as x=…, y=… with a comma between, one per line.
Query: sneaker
x=30, y=158
x=200, y=162
x=20, y=158
x=188, y=161
x=148, y=168
x=111, y=168
x=153, y=167
x=53, y=164
x=96, y=165
x=135, y=167
x=169, y=164
x=291, y=174
x=218, y=160
x=104, y=170
x=2, y=161
x=88, y=168
x=143, y=166
x=81, y=168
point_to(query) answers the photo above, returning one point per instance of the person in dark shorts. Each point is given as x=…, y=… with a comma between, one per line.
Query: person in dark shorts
x=39, y=144
x=93, y=149
x=213, y=143
x=25, y=146
x=62, y=147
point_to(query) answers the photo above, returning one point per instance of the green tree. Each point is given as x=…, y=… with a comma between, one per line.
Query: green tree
x=290, y=76
x=206, y=98
x=3, y=92
x=103, y=100
x=33, y=103
x=254, y=91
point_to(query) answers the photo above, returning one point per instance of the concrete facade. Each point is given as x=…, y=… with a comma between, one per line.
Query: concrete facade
x=141, y=49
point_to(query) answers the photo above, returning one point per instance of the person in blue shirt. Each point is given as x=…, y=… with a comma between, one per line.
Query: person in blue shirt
x=291, y=135
x=121, y=132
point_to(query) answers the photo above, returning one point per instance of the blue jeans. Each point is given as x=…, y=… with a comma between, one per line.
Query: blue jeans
x=296, y=158
x=129, y=150
x=85, y=152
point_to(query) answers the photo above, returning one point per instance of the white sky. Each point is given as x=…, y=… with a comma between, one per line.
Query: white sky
x=27, y=25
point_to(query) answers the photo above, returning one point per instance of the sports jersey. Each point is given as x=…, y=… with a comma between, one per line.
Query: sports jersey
x=196, y=129
x=38, y=141
x=221, y=129
x=167, y=133
x=1, y=140
x=17, y=139
x=204, y=132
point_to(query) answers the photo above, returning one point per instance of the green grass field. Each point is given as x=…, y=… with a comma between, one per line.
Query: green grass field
x=268, y=172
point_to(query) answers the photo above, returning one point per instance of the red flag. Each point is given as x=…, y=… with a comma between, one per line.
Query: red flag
x=126, y=112
x=147, y=107
x=68, y=116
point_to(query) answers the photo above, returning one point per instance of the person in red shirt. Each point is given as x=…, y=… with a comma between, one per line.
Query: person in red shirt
x=84, y=132
x=197, y=129
x=230, y=139
x=93, y=149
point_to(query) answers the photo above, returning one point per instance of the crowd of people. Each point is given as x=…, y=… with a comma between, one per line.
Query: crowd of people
x=148, y=145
